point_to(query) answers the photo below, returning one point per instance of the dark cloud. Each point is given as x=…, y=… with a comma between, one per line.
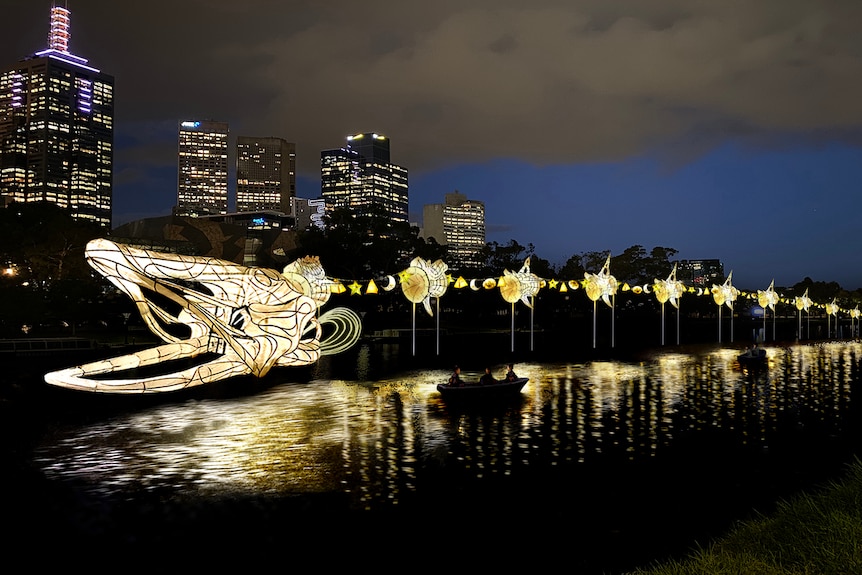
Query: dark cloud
x=549, y=82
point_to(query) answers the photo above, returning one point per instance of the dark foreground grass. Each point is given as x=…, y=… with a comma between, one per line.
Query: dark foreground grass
x=819, y=533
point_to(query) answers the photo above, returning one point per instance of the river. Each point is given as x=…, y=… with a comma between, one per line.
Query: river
x=607, y=464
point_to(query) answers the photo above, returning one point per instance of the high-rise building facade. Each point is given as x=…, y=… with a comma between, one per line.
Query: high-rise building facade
x=360, y=175
x=265, y=174
x=203, y=168
x=459, y=224
x=57, y=129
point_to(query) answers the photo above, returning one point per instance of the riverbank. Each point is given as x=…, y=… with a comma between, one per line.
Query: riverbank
x=814, y=532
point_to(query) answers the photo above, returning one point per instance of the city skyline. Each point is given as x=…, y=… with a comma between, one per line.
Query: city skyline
x=726, y=131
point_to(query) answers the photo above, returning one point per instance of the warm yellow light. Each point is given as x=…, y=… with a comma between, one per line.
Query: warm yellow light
x=563, y=287
x=460, y=282
x=489, y=283
x=372, y=287
x=262, y=318
x=355, y=288
x=552, y=284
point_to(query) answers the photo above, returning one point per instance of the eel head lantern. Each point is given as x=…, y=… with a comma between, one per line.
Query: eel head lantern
x=252, y=319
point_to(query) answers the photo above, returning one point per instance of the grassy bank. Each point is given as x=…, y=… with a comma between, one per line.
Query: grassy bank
x=818, y=533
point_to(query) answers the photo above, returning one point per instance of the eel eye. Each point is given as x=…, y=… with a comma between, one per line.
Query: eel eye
x=238, y=318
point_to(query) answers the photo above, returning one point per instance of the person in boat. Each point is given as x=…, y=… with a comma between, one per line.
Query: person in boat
x=487, y=378
x=510, y=375
x=455, y=379
x=754, y=351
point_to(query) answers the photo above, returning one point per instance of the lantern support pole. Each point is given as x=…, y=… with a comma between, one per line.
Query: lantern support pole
x=438, y=325
x=513, y=327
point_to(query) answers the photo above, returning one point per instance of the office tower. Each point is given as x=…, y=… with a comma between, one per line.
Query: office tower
x=459, y=224
x=360, y=175
x=202, y=184
x=265, y=174
x=57, y=129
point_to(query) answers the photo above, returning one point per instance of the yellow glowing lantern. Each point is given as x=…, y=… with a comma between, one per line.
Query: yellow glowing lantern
x=489, y=283
x=460, y=282
x=372, y=287
x=768, y=298
x=521, y=285
x=423, y=280
x=803, y=302
x=726, y=293
x=601, y=285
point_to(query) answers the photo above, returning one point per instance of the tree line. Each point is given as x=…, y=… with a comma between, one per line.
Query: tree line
x=44, y=277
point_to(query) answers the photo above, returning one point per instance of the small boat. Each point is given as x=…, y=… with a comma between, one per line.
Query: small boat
x=476, y=391
x=752, y=358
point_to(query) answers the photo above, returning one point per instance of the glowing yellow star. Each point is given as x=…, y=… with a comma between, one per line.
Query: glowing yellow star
x=355, y=288
x=403, y=276
x=552, y=284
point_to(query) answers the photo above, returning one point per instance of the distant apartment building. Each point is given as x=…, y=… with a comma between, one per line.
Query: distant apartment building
x=203, y=168
x=360, y=175
x=700, y=272
x=265, y=174
x=459, y=224
x=57, y=128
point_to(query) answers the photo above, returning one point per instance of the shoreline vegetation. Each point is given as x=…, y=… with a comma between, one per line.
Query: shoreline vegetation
x=812, y=532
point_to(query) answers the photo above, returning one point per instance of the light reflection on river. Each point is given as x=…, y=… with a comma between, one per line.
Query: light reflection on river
x=374, y=440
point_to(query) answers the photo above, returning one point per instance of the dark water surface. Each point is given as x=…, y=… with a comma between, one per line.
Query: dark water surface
x=600, y=466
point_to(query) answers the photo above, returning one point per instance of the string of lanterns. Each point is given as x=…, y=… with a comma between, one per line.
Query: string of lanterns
x=423, y=280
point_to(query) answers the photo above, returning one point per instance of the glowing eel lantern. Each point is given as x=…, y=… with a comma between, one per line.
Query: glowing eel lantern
x=419, y=283
x=601, y=286
x=251, y=319
x=803, y=302
x=521, y=285
x=669, y=290
x=722, y=295
x=767, y=299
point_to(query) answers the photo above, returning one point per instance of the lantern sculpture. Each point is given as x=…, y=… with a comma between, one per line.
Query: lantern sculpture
x=419, y=283
x=854, y=317
x=803, y=302
x=669, y=290
x=768, y=299
x=601, y=286
x=252, y=319
x=521, y=285
x=725, y=294
x=831, y=309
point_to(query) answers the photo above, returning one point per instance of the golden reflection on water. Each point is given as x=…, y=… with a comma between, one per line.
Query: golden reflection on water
x=376, y=440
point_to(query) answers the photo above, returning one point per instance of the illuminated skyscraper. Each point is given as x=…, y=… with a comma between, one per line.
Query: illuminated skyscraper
x=360, y=175
x=265, y=174
x=202, y=185
x=57, y=129
x=459, y=224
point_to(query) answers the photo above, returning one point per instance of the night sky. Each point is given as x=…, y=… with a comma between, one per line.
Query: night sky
x=724, y=129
